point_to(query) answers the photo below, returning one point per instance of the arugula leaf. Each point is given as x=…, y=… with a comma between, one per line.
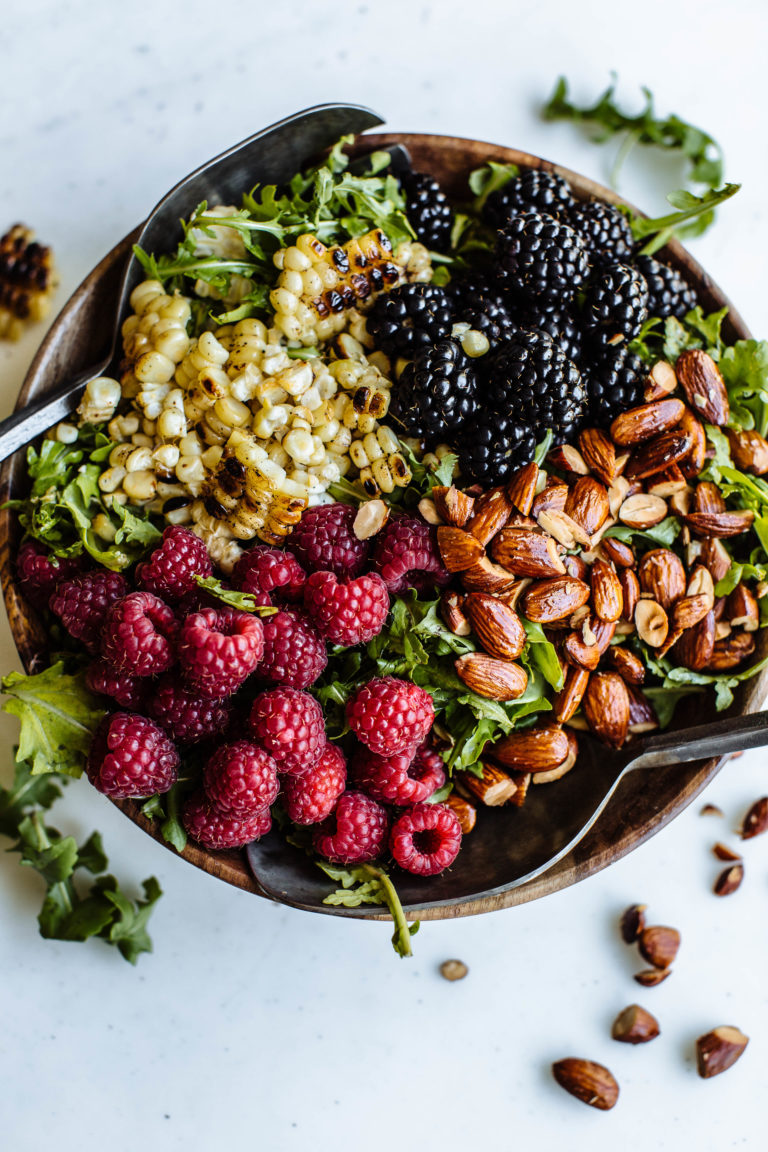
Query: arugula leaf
x=606, y=119
x=693, y=216
x=663, y=534
x=58, y=718
x=367, y=884
x=542, y=653
x=167, y=809
x=244, y=601
x=487, y=179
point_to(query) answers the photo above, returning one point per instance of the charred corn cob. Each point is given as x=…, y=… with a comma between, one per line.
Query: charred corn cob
x=27, y=281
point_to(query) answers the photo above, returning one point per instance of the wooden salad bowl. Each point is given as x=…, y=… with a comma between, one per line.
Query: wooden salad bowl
x=643, y=803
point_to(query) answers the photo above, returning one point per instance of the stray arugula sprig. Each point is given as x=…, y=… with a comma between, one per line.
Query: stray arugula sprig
x=702, y=153
x=367, y=884
x=72, y=910
x=244, y=601
x=693, y=216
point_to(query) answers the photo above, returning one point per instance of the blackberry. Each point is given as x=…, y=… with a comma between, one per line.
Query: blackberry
x=616, y=304
x=468, y=291
x=615, y=382
x=557, y=323
x=533, y=191
x=541, y=259
x=428, y=210
x=668, y=293
x=410, y=317
x=532, y=378
x=605, y=230
x=495, y=446
x=436, y=393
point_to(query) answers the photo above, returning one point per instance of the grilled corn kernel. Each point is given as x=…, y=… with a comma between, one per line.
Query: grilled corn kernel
x=111, y=479
x=123, y=427
x=99, y=401
x=66, y=433
x=140, y=486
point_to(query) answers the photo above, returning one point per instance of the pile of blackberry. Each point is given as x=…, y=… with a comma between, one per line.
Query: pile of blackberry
x=536, y=341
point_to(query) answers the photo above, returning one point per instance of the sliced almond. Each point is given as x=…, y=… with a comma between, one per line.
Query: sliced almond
x=565, y=530
x=667, y=483
x=453, y=506
x=463, y=810
x=617, y=494
x=729, y=880
x=755, y=823
x=695, y=647
x=606, y=707
x=741, y=609
x=700, y=379
x=661, y=381
x=723, y=852
x=527, y=553
x=642, y=717
x=715, y=557
x=638, y=424
x=496, y=625
x=652, y=976
x=642, y=511
x=707, y=498
x=493, y=788
x=369, y=519
x=428, y=511
x=718, y=1050
x=632, y=922
x=690, y=610
x=616, y=550
x=551, y=498
x=700, y=582
x=587, y=504
x=630, y=590
x=458, y=549
x=651, y=623
x=599, y=454
x=547, y=601
x=533, y=750
x=566, y=458
x=580, y=654
x=492, y=678
x=452, y=612
x=629, y=666
x=565, y=766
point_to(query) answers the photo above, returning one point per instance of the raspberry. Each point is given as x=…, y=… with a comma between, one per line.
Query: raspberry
x=129, y=692
x=171, y=569
x=406, y=555
x=348, y=614
x=39, y=572
x=310, y=798
x=401, y=779
x=357, y=830
x=269, y=574
x=138, y=635
x=218, y=649
x=240, y=779
x=390, y=715
x=82, y=604
x=215, y=830
x=324, y=541
x=290, y=725
x=425, y=839
x=294, y=651
x=186, y=717
x=131, y=756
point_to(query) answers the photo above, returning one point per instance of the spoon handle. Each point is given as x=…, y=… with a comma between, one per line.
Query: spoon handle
x=23, y=426
x=705, y=741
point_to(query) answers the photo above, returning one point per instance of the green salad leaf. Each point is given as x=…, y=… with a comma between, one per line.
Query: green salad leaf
x=58, y=718
x=243, y=601
x=368, y=884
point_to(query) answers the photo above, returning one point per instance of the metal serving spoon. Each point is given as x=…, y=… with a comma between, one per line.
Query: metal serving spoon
x=512, y=846
x=271, y=156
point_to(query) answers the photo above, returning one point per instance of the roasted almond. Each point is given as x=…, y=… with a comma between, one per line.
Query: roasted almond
x=650, y=977
x=485, y=576
x=496, y=625
x=599, y=632
x=630, y=590
x=589, y=1082
x=606, y=707
x=648, y=420
x=661, y=381
x=560, y=770
x=616, y=550
x=661, y=573
x=599, y=454
x=458, y=549
x=511, y=598
x=521, y=489
x=723, y=852
x=522, y=782
x=552, y=497
x=692, y=463
x=453, y=506
x=493, y=788
x=707, y=498
x=667, y=483
x=749, y=450
x=657, y=454
x=565, y=530
x=452, y=612
x=569, y=697
x=575, y=566
x=490, y=514
x=703, y=385
x=618, y=493
x=651, y=622
x=741, y=609
x=642, y=511
x=755, y=823
x=729, y=880
x=579, y=654
x=629, y=666
x=632, y=922
x=695, y=647
x=465, y=812
x=718, y=1050
x=428, y=511
x=659, y=945
x=527, y=553
x=714, y=556
x=642, y=717
x=635, y=1026
x=566, y=458
x=370, y=518
x=731, y=651
x=532, y=750
x=690, y=610
x=587, y=504
x=607, y=597
x=547, y=601
x=700, y=583
x=487, y=676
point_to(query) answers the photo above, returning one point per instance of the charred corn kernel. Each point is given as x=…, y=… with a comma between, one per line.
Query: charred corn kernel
x=27, y=281
x=232, y=412
x=99, y=401
x=358, y=455
x=366, y=424
x=300, y=445
x=267, y=420
x=104, y=528
x=144, y=294
x=190, y=470
x=111, y=479
x=119, y=454
x=401, y=473
x=123, y=427
x=141, y=440
x=387, y=439
x=191, y=445
x=66, y=433
x=373, y=449
x=178, y=514
x=152, y=398
x=212, y=430
x=140, y=487
x=296, y=379
x=166, y=457
x=171, y=424
x=358, y=329
x=139, y=460
x=154, y=368
x=112, y=498
x=341, y=442
x=368, y=482
x=327, y=432
x=212, y=456
x=382, y=474
x=217, y=537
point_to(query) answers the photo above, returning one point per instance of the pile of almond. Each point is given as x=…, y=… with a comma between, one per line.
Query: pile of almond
x=539, y=547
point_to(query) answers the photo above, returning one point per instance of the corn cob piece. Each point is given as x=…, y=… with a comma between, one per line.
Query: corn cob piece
x=27, y=281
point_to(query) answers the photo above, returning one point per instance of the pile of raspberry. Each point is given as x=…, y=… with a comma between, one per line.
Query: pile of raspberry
x=180, y=670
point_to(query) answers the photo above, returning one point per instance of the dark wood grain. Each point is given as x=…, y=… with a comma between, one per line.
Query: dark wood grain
x=642, y=805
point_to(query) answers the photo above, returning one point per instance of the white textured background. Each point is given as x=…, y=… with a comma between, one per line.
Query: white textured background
x=256, y=1025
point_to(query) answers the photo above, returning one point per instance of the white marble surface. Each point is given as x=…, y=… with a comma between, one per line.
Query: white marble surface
x=254, y=1024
